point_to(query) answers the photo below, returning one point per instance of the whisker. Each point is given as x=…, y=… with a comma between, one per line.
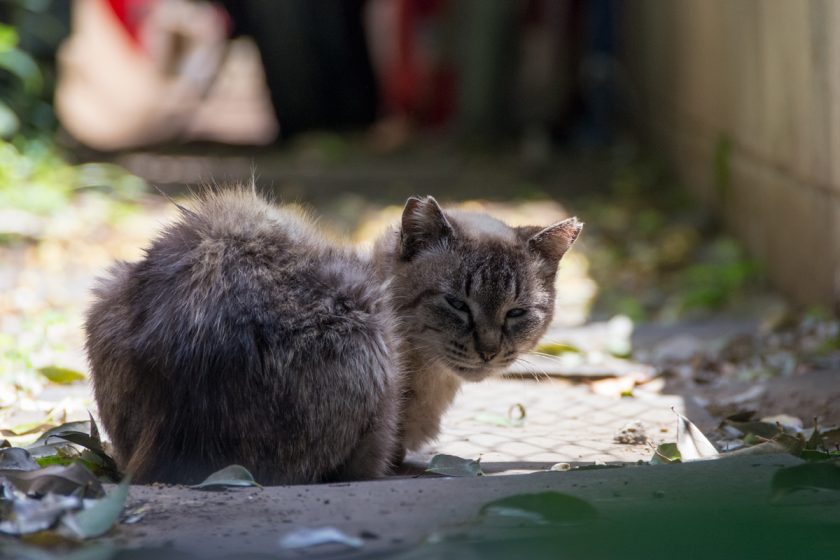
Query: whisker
x=538, y=374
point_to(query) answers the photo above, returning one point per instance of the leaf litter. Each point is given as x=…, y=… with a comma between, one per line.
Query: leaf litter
x=68, y=511
x=312, y=537
x=760, y=437
x=233, y=476
x=450, y=465
x=54, y=484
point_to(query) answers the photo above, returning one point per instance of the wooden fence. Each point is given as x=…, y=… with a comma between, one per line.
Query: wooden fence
x=744, y=96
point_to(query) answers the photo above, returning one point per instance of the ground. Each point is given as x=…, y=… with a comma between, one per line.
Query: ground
x=657, y=313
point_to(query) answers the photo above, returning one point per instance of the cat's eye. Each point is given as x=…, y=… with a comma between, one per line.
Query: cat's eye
x=456, y=303
x=513, y=313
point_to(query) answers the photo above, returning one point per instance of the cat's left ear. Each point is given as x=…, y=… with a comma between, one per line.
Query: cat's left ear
x=423, y=224
x=551, y=243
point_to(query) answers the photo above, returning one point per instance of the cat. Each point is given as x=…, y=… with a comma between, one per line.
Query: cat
x=245, y=336
x=471, y=294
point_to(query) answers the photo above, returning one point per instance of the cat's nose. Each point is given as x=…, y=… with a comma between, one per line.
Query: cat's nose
x=487, y=356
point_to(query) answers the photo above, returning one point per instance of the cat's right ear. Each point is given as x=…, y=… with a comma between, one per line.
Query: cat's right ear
x=423, y=225
x=551, y=243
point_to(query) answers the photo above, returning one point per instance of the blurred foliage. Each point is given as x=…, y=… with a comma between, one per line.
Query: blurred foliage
x=22, y=84
x=657, y=256
x=29, y=39
x=34, y=175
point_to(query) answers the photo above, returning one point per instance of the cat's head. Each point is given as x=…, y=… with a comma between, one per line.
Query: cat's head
x=472, y=292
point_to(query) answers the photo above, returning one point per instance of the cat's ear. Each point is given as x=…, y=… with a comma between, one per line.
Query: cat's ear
x=423, y=225
x=551, y=243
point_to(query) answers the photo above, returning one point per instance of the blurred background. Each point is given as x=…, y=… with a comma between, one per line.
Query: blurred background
x=694, y=138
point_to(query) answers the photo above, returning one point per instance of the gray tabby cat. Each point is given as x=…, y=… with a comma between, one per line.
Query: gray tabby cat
x=245, y=337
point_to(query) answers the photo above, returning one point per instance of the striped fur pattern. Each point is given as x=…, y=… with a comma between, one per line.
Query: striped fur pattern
x=243, y=336
x=471, y=295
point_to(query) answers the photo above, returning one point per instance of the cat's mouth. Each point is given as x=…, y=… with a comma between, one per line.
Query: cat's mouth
x=472, y=373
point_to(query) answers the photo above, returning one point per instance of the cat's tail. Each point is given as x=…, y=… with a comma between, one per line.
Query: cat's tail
x=142, y=465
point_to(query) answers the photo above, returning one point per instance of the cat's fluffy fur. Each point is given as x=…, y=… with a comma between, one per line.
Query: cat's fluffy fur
x=244, y=337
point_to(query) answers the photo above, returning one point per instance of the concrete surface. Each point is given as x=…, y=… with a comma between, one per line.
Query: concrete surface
x=398, y=514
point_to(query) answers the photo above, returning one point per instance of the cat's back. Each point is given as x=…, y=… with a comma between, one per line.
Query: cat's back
x=232, y=252
x=238, y=224
x=261, y=342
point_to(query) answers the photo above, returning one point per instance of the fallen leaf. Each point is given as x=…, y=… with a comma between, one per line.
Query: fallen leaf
x=74, y=441
x=788, y=422
x=56, y=450
x=815, y=455
x=97, y=519
x=762, y=429
x=613, y=386
x=26, y=429
x=516, y=412
x=136, y=514
x=793, y=444
x=771, y=447
x=94, y=429
x=831, y=437
x=82, y=426
x=72, y=479
x=24, y=515
x=542, y=508
x=107, y=465
x=17, y=459
x=665, y=454
x=450, y=465
x=557, y=348
x=61, y=375
x=691, y=442
x=231, y=476
x=741, y=416
x=306, y=538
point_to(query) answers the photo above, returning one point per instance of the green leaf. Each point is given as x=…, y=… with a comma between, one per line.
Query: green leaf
x=23, y=66
x=450, y=465
x=232, y=476
x=8, y=37
x=97, y=520
x=9, y=121
x=815, y=455
x=83, y=426
x=558, y=348
x=104, y=463
x=61, y=375
x=666, y=454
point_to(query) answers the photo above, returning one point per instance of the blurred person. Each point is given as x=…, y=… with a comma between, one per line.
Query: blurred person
x=139, y=72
